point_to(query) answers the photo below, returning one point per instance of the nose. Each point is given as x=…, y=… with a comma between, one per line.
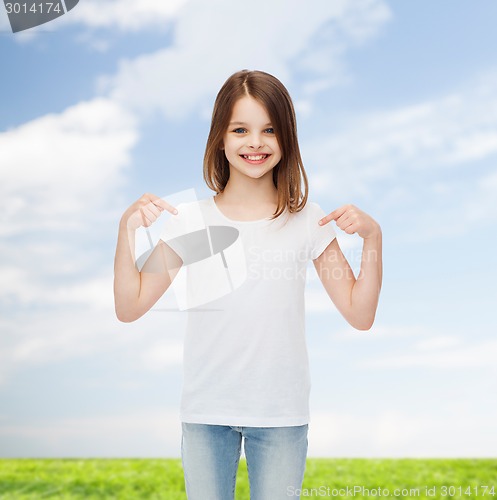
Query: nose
x=255, y=141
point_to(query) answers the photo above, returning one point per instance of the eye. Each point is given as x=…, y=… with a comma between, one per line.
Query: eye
x=239, y=130
x=269, y=131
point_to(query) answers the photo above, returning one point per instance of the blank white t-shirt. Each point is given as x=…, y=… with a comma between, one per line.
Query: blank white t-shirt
x=245, y=355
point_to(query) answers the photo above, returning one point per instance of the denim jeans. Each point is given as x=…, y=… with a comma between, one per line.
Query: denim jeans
x=275, y=460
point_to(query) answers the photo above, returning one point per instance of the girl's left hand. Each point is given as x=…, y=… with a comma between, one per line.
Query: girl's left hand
x=352, y=220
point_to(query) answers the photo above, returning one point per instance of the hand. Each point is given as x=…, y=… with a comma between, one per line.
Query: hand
x=145, y=211
x=352, y=220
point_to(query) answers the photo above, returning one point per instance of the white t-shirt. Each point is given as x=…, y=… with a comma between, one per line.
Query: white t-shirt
x=245, y=354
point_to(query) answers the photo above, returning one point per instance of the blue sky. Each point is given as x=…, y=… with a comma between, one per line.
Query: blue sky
x=397, y=114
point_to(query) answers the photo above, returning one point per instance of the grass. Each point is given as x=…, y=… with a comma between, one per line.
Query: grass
x=154, y=479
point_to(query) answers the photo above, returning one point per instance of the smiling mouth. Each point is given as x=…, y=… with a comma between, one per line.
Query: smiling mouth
x=254, y=157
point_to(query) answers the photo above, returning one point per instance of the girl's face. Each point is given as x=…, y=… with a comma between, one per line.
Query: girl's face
x=250, y=143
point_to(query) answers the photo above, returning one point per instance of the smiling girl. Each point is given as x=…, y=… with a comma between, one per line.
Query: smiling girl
x=246, y=374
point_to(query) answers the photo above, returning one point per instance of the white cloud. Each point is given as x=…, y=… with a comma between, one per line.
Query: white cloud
x=153, y=343
x=163, y=353
x=74, y=162
x=144, y=434
x=480, y=205
x=437, y=134
x=152, y=433
x=392, y=433
x=391, y=158
x=126, y=15
x=26, y=287
x=61, y=199
x=442, y=352
x=60, y=179
x=402, y=346
x=214, y=39
x=98, y=16
x=439, y=342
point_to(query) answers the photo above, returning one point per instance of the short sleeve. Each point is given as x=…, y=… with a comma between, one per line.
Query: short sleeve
x=320, y=236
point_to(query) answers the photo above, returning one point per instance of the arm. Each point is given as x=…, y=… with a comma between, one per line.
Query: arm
x=356, y=299
x=136, y=292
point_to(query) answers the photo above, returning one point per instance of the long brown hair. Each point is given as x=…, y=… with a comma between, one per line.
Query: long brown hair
x=289, y=173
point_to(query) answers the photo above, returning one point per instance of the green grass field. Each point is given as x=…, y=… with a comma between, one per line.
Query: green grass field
x=325, y=478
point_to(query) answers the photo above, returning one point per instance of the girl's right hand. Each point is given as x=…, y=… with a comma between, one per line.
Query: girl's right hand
x=145, y=211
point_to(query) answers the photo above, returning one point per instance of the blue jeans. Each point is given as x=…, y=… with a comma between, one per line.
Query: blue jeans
x=275, y=460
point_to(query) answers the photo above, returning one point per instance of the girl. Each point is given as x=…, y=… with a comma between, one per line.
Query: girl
x=246, y=375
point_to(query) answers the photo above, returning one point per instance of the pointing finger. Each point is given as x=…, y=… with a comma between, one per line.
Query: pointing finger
x=164, y=205
x=333, y=215
x=338, y=212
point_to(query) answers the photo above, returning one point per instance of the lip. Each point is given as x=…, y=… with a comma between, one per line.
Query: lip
x=255, y=162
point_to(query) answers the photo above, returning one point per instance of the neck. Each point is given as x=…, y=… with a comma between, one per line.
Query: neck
x=242, y=189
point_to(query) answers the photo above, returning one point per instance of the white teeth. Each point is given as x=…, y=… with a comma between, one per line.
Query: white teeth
x=255, y=158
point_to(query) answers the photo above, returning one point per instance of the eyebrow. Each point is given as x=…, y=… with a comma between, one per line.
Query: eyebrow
x=243, y=123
